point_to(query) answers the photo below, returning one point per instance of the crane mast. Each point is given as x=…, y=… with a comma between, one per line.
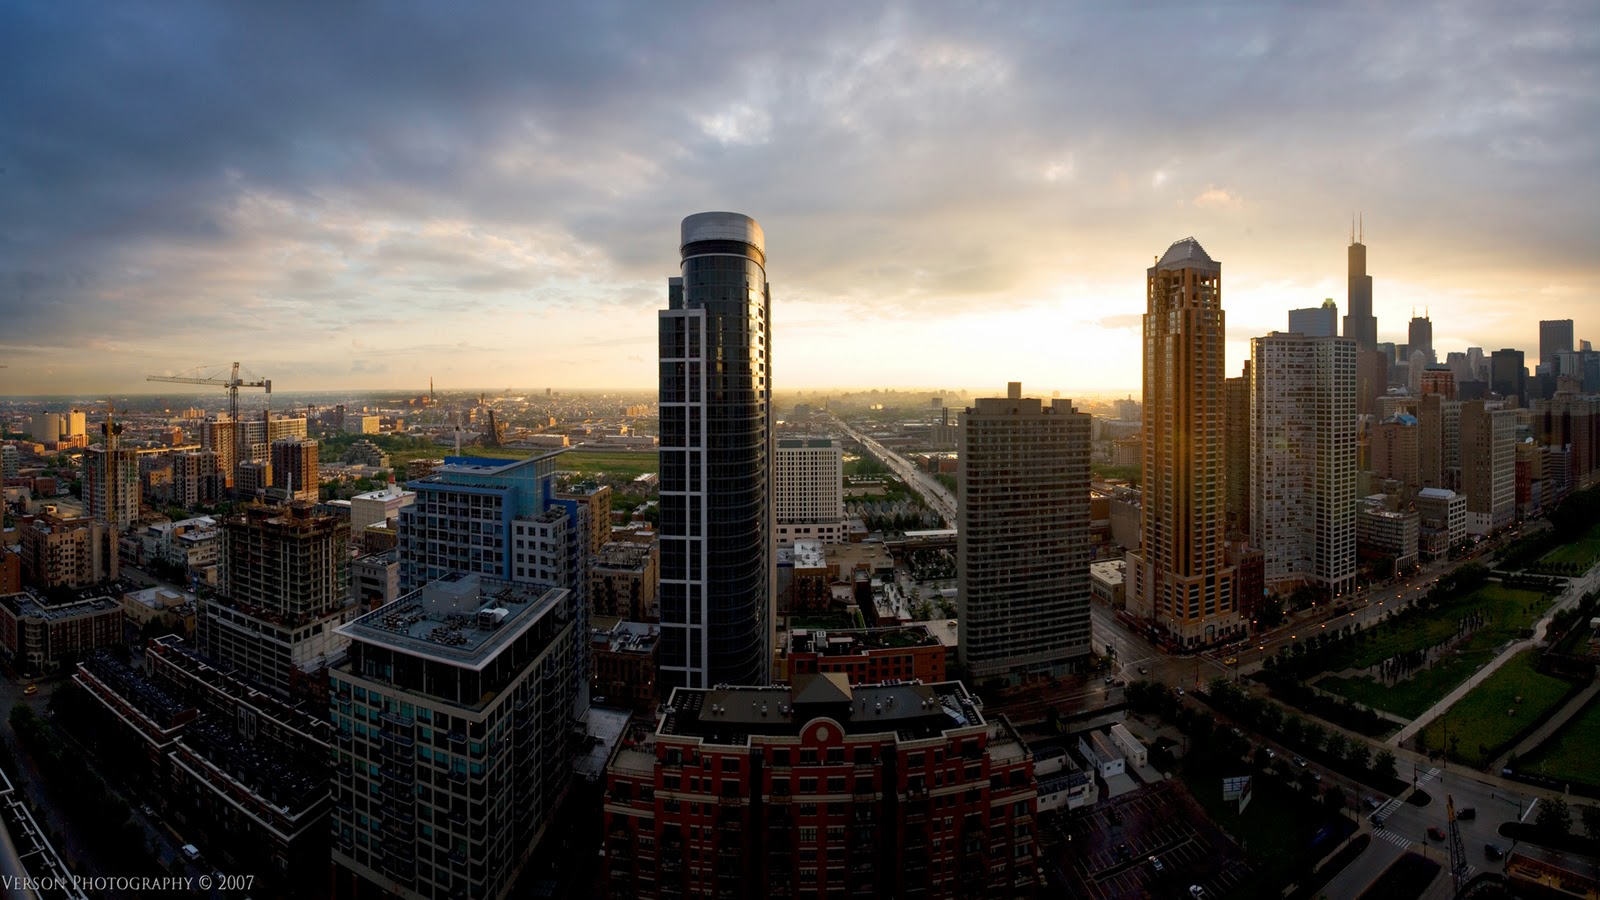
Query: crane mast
x=231, y=384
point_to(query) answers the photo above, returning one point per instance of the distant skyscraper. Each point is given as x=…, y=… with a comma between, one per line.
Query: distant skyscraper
x=1179, y=578
x=1236, y=423
x=1488, y=465
x=1555, y=336
x=1303, y=459
x=1022, y=542
x=1419, y=336
x=1316, y=321
x=294, y=468
x=1359, y=323
x=1509, y=375
x=717, y=517
x=111, y=480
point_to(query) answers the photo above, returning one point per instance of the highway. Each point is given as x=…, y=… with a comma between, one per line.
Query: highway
x=934, y=493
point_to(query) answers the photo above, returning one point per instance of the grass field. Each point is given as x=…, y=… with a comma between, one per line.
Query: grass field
x=1569, y=754
x=1509, y=612
x=1583, y=552
x=1478, y=725
x=620, y=465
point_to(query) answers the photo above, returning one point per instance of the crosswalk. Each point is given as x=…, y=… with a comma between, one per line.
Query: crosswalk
x=1398, y=840
x=1427, y=776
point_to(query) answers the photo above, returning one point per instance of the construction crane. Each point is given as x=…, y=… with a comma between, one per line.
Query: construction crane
x=231, y=384
x=1458, y=852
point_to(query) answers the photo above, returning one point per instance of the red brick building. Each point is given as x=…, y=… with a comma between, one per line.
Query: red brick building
x=823, y=790
x=864, y=655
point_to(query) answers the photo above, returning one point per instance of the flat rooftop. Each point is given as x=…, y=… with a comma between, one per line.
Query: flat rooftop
x=910, y=710
x=843, y=642
x=460, y=619
x=25, y=605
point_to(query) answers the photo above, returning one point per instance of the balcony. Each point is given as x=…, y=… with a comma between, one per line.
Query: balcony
x=397, y=719
x=391, y=737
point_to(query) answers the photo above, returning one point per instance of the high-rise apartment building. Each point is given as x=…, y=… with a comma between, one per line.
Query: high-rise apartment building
x=1316, y=321
x=1359, y=323
x=294, y=468
x=256, y=435
x=1419, y=337
x=823, y=789
x=197, y=478
x=1179, y=579
x=1022, y=539
x=111, y=489
x=501, y=519
x=1395, y=450
x=1303, y=460
x=453, y=724
x=1439, y=442
x=1488, y=465
x=810, y=490
x=1555, y=337
x=718, y=562
x=286, y=574
x=69, y=553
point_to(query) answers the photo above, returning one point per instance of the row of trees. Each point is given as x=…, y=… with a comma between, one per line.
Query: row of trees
x=1568, y=522
x=1351, y=756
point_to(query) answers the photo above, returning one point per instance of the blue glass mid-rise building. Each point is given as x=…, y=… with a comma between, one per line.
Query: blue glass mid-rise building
x=716, y=459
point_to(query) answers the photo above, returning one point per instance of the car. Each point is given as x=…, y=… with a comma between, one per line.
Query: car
x=1316, y=776
x=1468, y=813
x=1370, y=802
x=1123, y=852
x=1436, y=832
x=191, y=852
x=1377, y=821
x=30, y=690
x=1493, y=851
x=1108, y=679
x=1155, y=863
x=1143, y=670
x=1118, y=683
x=1180, y=691
x=1271, y=753
x=1197, y=892
x=1230, y=661
x=1301, y=761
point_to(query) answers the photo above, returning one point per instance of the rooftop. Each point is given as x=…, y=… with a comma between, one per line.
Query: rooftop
x=732, y=715
x=461, y=619
x=622, y=636
x=25, y=605
x=622, y=555
x=1186, y=254
x=843, y=642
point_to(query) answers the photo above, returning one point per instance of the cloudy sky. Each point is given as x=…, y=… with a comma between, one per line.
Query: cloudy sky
x=365, y=194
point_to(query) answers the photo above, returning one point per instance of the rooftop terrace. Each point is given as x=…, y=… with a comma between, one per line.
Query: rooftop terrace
x=461, y=619
x=732, y=715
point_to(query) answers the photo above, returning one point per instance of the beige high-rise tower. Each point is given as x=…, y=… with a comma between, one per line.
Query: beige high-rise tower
x=1178, y=580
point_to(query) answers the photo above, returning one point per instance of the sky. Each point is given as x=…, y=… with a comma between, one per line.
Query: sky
x=364, y=195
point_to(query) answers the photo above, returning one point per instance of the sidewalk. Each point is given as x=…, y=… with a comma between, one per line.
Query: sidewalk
x=1576, y=588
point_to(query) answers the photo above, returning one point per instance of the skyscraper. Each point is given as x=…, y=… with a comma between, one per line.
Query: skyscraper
x=294, y=468
x=1555, y=336
x=1488, y=465
x=1316, y=321
x=1359, y=322
x=809, y=490
x=1419, y=336
x=1179, y=578
x=1508, y=375
x=1236, y=446
x=1303, y=459
x=717, y=519
x=1022, y=543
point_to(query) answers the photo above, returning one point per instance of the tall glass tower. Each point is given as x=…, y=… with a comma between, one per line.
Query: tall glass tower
x=717, y=561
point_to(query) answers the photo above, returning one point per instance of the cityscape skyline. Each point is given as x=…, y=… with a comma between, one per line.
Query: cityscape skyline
x=937, y=176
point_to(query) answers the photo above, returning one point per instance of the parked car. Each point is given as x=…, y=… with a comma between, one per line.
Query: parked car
x=1300, y=761
x=1377, y=821
x=1436, y=832
x=1468, y=813
x=1493, y=851
x=191, y=852
x=1197, y=892
x=1155, y=863
x=1143, y=671
x=1371, y=802
x=1180, y=692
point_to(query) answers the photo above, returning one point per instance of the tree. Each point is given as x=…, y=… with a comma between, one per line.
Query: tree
x=1383, y=765
x=1591, y=821
x=1360, y=756
x=1555, y=815
x=1337, y=745
x=1314, y=736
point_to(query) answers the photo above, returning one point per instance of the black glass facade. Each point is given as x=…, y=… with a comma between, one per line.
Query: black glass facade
x=716, y=460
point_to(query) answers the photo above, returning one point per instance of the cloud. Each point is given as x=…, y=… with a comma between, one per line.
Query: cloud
x=510, y=176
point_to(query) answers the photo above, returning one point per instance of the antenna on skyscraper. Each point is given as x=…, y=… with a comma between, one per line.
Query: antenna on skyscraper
x=1362, y=218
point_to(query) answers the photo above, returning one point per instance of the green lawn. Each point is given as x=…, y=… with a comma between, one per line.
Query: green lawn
x=620, y=465
x=1479, y=725
x=1508, y=610
x=1509, y=613
x=1570, y=754
x=1583, y=552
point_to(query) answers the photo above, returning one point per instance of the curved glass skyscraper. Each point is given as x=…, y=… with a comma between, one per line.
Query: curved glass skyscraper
x=716, y=459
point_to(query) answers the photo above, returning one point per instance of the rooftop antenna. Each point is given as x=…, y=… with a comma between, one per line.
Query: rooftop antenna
x=1352, y=229
x=1362, y=218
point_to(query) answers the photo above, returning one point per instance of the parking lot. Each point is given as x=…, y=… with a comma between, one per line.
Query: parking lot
x=1104, y=852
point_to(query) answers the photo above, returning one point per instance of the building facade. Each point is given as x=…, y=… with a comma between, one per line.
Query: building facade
x=1022, y=538
x=295, y=468
x=1178, y=580
x=452, y=729
x=1555, y=338
x=1316, y=321
x=40, y=638
x=1488, y=465
x=625, y=580
x=1303, y=460
x=69, y=553
x=810, y=490
x=717, y=518
x=864, y=655
x=111, y=489
x=1360, y=325
x=812, y=791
